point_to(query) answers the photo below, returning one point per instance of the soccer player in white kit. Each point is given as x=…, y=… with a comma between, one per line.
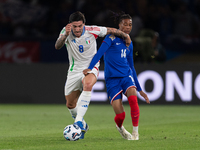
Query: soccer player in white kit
x=80, y=41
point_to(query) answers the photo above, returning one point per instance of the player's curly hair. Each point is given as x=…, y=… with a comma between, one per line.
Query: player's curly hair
x=118, y=17
x=77, y=16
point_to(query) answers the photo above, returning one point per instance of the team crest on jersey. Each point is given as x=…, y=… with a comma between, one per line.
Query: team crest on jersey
x=87, y=40
x=112, y=37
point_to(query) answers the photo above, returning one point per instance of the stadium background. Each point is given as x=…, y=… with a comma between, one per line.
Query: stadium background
x=32, y=71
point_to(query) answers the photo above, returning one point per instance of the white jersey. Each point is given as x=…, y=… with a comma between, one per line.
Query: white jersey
x=81, y=50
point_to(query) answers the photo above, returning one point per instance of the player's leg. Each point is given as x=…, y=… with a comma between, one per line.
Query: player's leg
x=84, y=101
x=73, y=88
x=119, y=112
x=119, y=118
x=135, y=112
x=114, y=92
x=129, y=89
x=71, y=102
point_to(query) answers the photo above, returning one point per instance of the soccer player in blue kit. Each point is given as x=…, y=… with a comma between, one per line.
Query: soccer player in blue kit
x=120, y=76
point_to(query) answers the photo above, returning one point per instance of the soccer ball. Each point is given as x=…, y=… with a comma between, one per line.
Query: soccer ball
x=72, y=132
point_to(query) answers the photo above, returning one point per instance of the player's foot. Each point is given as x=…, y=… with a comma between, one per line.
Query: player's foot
x=125, y=134
x=83, y=130
x=85, y=125
x=135, y=135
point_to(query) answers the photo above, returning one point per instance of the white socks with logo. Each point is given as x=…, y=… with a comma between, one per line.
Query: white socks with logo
x=82, y=105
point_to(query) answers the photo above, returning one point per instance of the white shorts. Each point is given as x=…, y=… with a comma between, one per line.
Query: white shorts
x=74, y=80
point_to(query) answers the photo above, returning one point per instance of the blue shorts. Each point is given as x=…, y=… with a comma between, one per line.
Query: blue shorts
x=117, y=86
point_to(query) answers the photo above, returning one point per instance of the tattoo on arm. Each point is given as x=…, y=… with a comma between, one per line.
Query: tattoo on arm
x=116, y=32
x=60, y=42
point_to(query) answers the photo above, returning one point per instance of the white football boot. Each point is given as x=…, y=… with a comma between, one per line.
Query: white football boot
x=135, y=135
x=124, y=133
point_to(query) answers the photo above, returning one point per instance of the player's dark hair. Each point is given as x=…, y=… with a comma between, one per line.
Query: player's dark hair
x=77, y=16
x=118, y=17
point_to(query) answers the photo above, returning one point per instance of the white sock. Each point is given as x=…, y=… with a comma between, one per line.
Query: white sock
x=135, y=128
x=82, y=105
x=73, y=112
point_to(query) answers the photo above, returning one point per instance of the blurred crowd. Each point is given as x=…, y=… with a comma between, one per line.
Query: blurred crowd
x=155, y=22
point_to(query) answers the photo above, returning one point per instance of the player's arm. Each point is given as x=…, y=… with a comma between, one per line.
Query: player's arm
x=131, y=65
x=103, y=48
x=130, y=60
x=144, y=95
x=139, y=89
x=61, y=40
x=119, y=33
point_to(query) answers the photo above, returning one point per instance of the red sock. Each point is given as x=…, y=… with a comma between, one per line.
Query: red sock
x=119, y=119
x=135, y=111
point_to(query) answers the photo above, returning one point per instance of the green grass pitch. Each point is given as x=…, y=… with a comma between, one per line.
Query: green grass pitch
x=40, y=127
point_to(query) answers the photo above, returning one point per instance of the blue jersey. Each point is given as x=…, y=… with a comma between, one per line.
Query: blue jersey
x=115, y=59
x=118, y=58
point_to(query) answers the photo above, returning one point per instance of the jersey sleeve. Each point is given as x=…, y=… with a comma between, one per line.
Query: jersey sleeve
x=103, y=48
x=97, y=30
x=109, y=39
x=62, y=32
x=131, y=64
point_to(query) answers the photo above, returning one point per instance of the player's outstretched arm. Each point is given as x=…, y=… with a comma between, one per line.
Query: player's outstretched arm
x=61, y=40
x=145, y=96
x=120, y=33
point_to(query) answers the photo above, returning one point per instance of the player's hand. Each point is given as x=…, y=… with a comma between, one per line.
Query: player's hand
x=127, y=40
x=85, y=72
x=68, y=28
x=145, y=96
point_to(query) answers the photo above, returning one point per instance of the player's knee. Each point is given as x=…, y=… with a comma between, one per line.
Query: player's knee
x=135, y=101
x=87, y=86
x=132, y=99
x=70, y=105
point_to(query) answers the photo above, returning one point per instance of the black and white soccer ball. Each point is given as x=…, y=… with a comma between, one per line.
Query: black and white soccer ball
x=72, y=132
